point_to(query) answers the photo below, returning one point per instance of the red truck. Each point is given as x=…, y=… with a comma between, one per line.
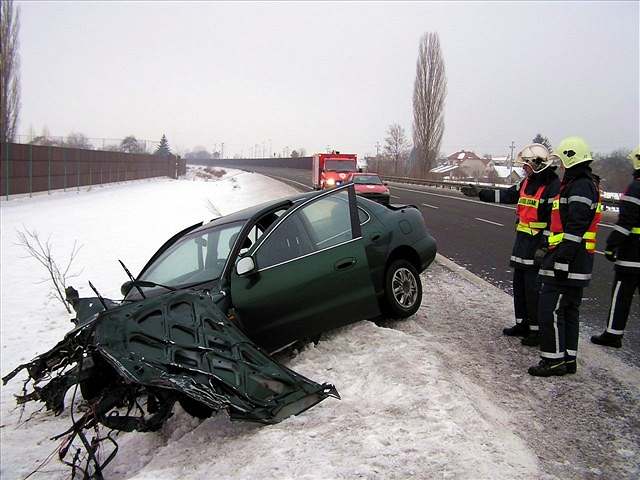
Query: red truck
x=332, y=169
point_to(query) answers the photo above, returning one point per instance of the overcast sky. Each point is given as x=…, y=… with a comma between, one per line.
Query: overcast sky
x=314, y=75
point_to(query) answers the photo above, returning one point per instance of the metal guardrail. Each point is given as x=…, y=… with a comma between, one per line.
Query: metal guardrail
x=607, y=202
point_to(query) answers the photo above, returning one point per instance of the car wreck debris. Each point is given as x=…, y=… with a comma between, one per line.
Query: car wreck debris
x=133, y=361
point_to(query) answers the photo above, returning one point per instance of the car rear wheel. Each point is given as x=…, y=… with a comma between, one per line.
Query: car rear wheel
x=403, y=289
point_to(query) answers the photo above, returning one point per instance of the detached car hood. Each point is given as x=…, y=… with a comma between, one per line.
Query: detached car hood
x=183, y=342
x=174, y=346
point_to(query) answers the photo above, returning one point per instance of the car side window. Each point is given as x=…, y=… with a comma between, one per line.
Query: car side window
x=363, y=216
x=319, y=225
x=328, y=220
x=288, y=241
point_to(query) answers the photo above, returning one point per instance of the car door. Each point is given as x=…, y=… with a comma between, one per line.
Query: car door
x=311, y=273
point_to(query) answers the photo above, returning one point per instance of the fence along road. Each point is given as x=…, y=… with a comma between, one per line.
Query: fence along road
x=37, y=168
x=467, y=232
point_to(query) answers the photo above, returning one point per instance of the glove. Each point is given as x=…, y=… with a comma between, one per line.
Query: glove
x=610, y=254
x=539, y=255
x=567, y=252
x=470, y=191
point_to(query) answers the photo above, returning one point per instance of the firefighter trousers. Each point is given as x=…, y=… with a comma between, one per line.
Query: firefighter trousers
x=559, y=310
x=526, y=289
x=624, y=287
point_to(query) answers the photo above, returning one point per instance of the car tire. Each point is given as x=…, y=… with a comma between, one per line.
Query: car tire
x=402, y=289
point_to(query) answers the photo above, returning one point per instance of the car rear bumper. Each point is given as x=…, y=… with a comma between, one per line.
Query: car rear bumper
x=427, y=250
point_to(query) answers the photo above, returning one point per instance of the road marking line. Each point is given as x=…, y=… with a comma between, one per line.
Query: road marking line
x=606, y=225
x=456, y=198
x=289, y=180
x=430, y=206
x=598, y=251
x=489, y=221
x=393, y=196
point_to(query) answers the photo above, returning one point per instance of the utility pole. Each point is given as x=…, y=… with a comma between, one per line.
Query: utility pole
x=222, y=151
x=512, y=147
x=377, y=149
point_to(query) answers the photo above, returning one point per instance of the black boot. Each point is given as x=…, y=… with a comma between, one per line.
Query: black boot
x=518, y=330
x=531, y=340
x=571, y=364
x=608, y=340
x=548, y=368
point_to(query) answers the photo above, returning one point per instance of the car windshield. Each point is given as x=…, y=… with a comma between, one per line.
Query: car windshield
x=340, y=165
x=367, y=179
x=197, y=258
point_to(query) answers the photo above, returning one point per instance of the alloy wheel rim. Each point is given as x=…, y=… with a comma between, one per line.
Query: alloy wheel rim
x=405, y=287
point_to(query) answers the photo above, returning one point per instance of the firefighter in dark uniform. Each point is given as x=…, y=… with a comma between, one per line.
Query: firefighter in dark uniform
x=623, y=248
x=533, y=196
x=567, y=266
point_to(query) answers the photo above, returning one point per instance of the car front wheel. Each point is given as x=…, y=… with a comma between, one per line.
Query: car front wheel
x=403, y=289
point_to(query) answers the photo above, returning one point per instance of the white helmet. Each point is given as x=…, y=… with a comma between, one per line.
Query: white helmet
x=536, y=156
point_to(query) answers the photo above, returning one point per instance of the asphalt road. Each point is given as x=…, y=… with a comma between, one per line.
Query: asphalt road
x=479, y=237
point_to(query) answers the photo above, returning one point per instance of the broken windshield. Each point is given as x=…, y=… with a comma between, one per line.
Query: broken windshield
x=197, y=258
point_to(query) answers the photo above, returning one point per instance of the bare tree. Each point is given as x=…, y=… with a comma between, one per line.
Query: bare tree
x=78, y=140
x=429, y=92
x=9, y=70
x=396, y=146
x=131, y=144
x=42, y=252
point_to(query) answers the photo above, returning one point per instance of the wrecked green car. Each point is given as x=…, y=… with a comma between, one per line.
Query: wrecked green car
x=197, y=324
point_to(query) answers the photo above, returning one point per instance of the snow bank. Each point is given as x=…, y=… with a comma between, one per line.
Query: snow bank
x=403, y=414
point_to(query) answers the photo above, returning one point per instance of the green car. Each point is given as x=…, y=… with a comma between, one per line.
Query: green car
x=197, y=325
x=294, y=268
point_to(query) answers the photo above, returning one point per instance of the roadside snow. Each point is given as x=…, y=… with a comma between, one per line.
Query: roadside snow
x=401, y=414
x=440, y=395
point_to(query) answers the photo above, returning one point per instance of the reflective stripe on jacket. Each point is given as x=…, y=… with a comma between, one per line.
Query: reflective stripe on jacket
x=625, y=237
x=571, y=235
x=527, y=210
x=557, y=234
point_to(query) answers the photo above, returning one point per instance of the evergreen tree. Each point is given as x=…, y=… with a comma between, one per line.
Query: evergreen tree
x=543, y=141
x=163, y=149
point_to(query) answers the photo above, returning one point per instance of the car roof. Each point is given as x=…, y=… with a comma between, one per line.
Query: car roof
x=256, y=210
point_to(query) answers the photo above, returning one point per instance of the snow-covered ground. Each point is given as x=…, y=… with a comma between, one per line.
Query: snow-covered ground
x=440, y=395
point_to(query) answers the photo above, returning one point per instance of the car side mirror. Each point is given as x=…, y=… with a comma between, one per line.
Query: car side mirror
x=245, y=265
x=386, y=184
x=126, y=287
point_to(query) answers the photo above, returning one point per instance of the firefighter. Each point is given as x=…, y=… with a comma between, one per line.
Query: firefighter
x=623, y=248
x=532, y=196
x=567, y=265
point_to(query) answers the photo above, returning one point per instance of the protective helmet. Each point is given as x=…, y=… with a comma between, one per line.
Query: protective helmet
x=536, y=156
x=572, y=151
x=635, y=158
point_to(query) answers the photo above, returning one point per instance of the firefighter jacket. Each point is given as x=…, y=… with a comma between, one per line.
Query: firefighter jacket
x=576, y=212
x=533, y=197
x=625, y=238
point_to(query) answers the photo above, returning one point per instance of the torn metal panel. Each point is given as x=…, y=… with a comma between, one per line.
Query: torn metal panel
x=183, y=342
x=180, y=342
